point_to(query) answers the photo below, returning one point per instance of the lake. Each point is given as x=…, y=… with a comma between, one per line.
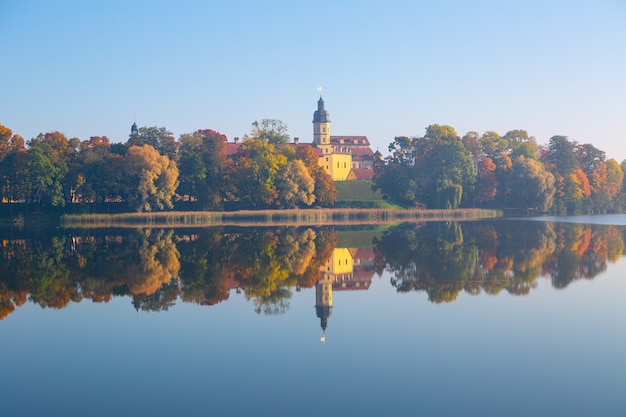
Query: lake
x=480, y=318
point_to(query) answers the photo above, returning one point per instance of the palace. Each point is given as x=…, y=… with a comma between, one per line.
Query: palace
x=342, y=157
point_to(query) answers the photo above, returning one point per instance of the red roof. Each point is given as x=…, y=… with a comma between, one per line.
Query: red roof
x=350, y=140
x=232, y=148
x=361, y=174
x=362, y=153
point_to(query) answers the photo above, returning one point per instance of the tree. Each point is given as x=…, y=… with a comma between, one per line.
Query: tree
x=531, y=186
x=99, y=170
x=63, y=155
x=204, y=168
x=396, y=176
x=486, y=181
x=295, y=185
x=521, y=144
x=258, y=163
x=324, y=188
x=42, y=179
x=589, y=158
x=12, y=159
x=150, y=179
x=159, y=138
x=448, y=168
x=273, y=131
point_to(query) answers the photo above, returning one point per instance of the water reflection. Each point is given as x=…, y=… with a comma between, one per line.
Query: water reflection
x=158, y=267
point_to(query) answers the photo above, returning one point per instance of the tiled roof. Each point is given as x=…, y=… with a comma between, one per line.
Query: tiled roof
x=361, y=174
x=232, y=148
x=350, y=140
x=365, y=153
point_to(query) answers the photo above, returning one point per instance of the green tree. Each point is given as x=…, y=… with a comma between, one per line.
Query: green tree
x=449, y=167
x=42, y=179
x=521, y=144
x=396, y=176
x=12, y=163
x=204, y=168
x=159, y=138
x=63, y=155
x=531, y=186
x=273, y=131
x=100, y=174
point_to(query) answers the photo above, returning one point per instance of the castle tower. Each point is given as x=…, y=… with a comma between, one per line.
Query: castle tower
x=321, y=127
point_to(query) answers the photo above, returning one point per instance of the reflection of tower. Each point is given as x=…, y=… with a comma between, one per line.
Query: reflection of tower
x=324, y=302
x=346, y=269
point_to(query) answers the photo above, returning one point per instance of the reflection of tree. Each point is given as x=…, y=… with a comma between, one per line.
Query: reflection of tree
x=433, y=257
x=49, y=279
x=206, y=260
x=510, y=257
x=160, y=300
x=156, y=263
x=264, y=263
x=582, y=252
x=439, y=258
x=154, y=266
x=140, y=263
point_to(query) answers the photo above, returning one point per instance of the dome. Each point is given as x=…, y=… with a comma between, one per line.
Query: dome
x=321, y=115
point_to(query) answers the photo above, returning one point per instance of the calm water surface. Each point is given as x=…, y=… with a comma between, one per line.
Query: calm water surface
x=502, y=318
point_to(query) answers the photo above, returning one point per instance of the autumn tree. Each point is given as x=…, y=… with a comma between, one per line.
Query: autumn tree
x=295, y=185
x=204, y=168
x=150, y=179
x=12, y=162
x=324, y=187
x=257, y=163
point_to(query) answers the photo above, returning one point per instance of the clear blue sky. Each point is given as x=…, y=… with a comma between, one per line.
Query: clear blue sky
x=388, y=68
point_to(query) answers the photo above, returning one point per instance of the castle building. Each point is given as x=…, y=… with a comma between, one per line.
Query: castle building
x=342, y=157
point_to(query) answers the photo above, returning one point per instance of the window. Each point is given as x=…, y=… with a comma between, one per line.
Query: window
x=344, y=164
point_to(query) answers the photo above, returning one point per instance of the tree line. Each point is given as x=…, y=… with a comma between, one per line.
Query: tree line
x=152, y=170
x=443, y=170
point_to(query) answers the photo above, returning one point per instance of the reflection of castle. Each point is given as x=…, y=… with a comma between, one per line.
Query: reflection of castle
x=346, y=269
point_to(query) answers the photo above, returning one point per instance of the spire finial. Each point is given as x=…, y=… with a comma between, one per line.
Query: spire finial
x=319, y=89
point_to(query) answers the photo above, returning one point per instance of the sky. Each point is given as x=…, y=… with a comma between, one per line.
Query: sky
x=387, y=69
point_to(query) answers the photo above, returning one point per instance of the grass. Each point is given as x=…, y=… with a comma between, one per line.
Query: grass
x=359, y=194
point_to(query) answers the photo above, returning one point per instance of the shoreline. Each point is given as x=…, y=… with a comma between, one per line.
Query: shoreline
x=292, y=217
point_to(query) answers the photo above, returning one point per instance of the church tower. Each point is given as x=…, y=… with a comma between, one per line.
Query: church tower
x=321, y=127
